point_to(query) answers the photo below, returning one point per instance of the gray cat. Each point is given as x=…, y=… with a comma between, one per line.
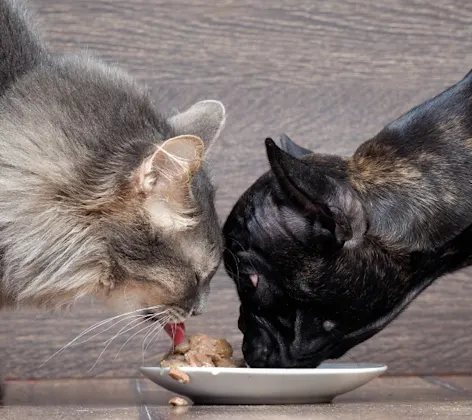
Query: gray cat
x=99, y=194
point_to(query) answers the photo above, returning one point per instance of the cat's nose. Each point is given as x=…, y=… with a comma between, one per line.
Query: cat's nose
x=201, y=303
x=197, y=311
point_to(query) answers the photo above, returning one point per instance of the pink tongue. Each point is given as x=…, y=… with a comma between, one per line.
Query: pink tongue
x=176, y=332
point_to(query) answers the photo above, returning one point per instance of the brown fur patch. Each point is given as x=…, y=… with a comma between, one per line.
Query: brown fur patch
x=375, y=165
x=468, y=143
x=134, y=295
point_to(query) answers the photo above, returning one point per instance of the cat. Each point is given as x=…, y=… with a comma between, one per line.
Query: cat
x=326, y=251
x=100, y=194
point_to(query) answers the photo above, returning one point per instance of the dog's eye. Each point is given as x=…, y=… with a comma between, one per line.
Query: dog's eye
x=328, y=325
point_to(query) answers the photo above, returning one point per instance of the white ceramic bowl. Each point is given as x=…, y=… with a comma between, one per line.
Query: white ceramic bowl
x=267, y=386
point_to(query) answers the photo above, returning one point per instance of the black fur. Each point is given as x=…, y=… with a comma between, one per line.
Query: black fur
x=342, y=245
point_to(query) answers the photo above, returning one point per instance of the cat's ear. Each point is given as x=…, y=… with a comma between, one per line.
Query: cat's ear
x=328, y=201
x=290, y=147
x=171, y=166
x=165, y=179
x=204, y=119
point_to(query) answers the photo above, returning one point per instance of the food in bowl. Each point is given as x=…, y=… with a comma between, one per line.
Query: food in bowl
x=201, y=350
x=178, y=375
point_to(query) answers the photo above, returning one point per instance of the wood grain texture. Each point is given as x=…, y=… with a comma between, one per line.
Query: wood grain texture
x=330, y=74
x=130, y=399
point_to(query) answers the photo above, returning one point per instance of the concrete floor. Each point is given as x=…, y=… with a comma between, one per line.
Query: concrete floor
x=117, y=399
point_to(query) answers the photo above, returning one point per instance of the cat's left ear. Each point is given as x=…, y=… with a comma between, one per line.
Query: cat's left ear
x=170, y=168
x=165, y=179
x=205, y=120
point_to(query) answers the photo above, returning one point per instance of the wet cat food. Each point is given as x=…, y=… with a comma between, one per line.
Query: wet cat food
x=200, y=350
x=178, y=375
x=178, y=401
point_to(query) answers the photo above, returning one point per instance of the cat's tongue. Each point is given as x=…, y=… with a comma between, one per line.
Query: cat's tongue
x=176, y=332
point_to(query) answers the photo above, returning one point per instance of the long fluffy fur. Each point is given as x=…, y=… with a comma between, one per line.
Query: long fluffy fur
x=73, y=221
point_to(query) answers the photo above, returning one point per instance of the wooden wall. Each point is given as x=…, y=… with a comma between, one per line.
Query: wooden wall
x=329, y=73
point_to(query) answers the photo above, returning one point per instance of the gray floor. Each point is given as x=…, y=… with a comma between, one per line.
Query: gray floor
x=384, y=398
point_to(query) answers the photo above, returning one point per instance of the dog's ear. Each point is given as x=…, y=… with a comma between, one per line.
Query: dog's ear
x=290, y=147
x=330, y=202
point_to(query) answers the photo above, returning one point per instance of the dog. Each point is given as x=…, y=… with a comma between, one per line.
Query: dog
x=326, y=251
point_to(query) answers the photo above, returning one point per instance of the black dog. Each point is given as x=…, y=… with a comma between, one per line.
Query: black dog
x=326, y=251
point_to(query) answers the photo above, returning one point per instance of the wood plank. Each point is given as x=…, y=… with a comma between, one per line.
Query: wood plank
x=427, y=338
x=330, y=74
x=270, y=41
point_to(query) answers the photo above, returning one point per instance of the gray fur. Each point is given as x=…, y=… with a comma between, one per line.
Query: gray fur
x=74, y=133
x=191, y=121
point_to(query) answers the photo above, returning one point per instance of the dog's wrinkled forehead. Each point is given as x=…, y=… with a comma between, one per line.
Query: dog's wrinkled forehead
x=266, y=218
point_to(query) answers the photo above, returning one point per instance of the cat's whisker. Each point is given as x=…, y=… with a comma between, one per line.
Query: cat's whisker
x=109, y=341
x=152, y=341
x=338, y=335
x=72, y=342
x=93, y=327
x=124, y=330
x=123, y=317
x=100, y=323
x=121, y=332
x=352, y=358
x=236, y=261
x=239, y=243
x=147, y=335
x=158, y=324
x=154, y=335
x=232, y=253
x=137, y=332
x=242, y=249
x=135, y=317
